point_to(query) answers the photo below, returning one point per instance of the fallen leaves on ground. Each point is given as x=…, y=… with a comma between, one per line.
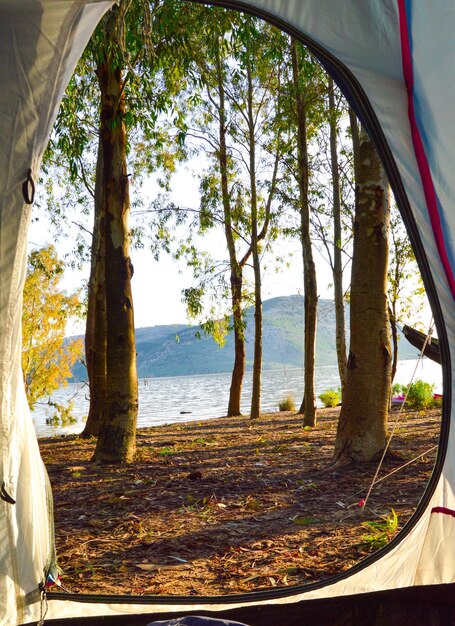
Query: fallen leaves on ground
x=227, y=505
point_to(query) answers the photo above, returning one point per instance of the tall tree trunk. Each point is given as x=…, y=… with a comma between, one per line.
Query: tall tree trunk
x=337, y=260
x=362, y=426
x=257, y=359
x=95, y=334
x=236, y=279
x=393, y=310
x=308, y=406
x=117, y=437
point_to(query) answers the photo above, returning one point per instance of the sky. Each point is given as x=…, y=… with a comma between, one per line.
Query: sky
x=157, y=286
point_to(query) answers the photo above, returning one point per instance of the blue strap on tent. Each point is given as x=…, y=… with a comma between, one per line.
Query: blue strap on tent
x=194, y=620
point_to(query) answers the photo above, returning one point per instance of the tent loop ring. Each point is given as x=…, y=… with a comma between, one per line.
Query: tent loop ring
x=28, y=188
x=4, y=495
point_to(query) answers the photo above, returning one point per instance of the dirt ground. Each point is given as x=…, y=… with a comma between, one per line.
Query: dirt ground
x=229, y=505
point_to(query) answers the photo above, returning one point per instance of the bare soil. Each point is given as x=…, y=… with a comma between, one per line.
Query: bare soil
x=229, y=505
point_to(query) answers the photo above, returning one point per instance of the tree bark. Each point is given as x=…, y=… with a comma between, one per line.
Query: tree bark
x=393, y=309
x=394, y=331
x=236, y=267
x=117, y=437
x=257, y=358
x=308, y=406
x=95, y=334
x=340, y=335
x=238, y=370
x=362, y=426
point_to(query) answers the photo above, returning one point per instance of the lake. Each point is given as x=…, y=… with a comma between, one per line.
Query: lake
x=162, y=400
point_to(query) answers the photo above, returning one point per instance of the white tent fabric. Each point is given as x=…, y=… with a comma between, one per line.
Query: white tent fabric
x=402, y=54
x=40, y=43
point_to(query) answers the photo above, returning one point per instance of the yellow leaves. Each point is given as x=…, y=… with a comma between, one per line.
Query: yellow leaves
x=168, y=160
x=220, y=331
x=47, y=358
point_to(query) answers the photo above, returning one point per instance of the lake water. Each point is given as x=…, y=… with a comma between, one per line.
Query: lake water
x=161, y=400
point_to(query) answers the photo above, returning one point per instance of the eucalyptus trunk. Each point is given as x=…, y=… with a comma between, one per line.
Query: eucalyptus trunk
x=117, y=437
x=362, y=426
x=238, y=370
x=236, y=267
x=308, y=406
x=257, y=358
x=393, y=310
x=337, y=270
x=394, y=332
x=95, y=333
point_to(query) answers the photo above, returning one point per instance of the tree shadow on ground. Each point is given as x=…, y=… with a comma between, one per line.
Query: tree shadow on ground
x=224, y=506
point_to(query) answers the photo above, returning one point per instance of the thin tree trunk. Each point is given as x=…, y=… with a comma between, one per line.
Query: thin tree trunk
x=117, y=437
x=362, y=426
x=393, y=312
x=238, y=370
x=236, y=278
x=95, y=334
x=337, y=260
x=394, y=331
x=257, y=359
x=308, y=406
x=355, y=135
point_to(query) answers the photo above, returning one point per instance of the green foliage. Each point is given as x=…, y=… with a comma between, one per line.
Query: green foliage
x=148, y=44
x=381, y=532
x=398, y=389
x=420, y=395
x=62, y=415
x=287, y=403
x=330, y=398
x=47, y=358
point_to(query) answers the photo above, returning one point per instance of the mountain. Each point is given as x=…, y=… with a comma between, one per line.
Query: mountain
x=175, y=350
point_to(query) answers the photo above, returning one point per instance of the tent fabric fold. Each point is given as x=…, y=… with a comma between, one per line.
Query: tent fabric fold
x=402, y=55
x=40, y=42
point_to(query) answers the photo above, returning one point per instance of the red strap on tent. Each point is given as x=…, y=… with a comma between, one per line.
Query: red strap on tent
x=443, y=509
x=419, y=150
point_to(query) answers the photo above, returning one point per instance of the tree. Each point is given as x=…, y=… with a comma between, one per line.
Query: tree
x=261, y=86
x=337, y=267
x=303, y=70
x=215, y=76
x=362, y=426
x=236, y=265
x=126, y=59
x=406, y=290
x=96, y=330
x=236, y=125
x=117, y=433
x=47, y=358
x=134, y=82
x=333, y=198
x=332, y=216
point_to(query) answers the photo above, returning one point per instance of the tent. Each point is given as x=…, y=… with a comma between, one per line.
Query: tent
x=395, y=61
